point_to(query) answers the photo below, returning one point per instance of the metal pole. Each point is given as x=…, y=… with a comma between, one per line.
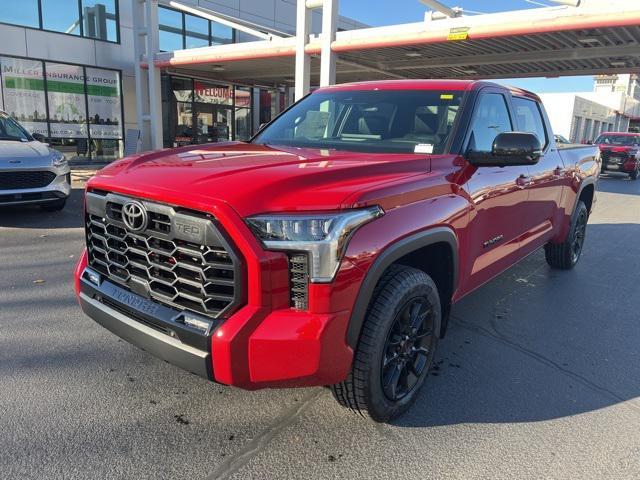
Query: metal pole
x=155, y=98
x=328, y=57
x=303, y=61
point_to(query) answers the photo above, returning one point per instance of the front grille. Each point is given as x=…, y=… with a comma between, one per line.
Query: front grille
x=203, y=277
x=25, y=179
x=299, y=281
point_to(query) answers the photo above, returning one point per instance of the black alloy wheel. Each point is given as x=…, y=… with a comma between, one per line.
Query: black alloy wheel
x=579, y=234
x=408, y=349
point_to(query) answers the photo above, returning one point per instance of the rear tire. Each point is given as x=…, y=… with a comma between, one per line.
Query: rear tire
x=54, y=206
x=396, y=346
x=565, y=255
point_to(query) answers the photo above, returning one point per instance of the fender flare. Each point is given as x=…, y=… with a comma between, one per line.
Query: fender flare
x=585, y=183
x=387, y=257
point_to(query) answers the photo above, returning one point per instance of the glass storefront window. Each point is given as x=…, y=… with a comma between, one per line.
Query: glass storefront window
x=243, y=113
x=73, y=149
x=196, y=31
x=182, y=89
x=99, y=19
x=184, y=124
x=20, y=12
x=105, y=108
x=61, y=16
x=171, y=33
x=23, y=92
x=70, y=88
x=106, y=150
x=221, y=34
x=67, y=102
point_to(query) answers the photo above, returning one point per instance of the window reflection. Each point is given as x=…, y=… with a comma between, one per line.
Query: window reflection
x=61, y=16
x=179, y=31
x=20, y=12
x=90, y=18
x=99, y=19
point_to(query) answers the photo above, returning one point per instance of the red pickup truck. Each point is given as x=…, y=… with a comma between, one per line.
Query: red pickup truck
x=330, y=248
x=620, y=152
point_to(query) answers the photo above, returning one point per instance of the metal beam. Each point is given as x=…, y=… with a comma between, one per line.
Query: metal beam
x=520, y=57
x=439, y=7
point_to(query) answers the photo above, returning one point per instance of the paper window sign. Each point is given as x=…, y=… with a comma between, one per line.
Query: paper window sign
x=423, y=148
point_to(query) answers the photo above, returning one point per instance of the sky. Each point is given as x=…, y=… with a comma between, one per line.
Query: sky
x=389, y=12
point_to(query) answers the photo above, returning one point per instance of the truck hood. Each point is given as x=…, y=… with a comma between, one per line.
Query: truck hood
x=257, y=178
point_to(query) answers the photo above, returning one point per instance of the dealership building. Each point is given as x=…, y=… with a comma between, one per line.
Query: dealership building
x=67, y=71
x=96, y=76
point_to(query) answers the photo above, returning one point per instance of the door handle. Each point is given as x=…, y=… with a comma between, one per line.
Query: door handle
x=523, y=181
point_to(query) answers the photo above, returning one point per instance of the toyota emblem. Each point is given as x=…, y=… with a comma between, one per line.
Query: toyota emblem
x=134, y=216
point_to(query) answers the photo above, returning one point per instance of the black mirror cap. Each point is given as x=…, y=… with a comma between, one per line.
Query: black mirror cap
x=509, y=149
x=38, y=136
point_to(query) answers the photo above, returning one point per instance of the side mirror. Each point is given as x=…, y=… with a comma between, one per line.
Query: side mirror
x=509, y=149
x=39, y=137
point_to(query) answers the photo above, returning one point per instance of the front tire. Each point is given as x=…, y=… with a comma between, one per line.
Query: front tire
x=634, y=175
x=565, y=255
x=396, y=347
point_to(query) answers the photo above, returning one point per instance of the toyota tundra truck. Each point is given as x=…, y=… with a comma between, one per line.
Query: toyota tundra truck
x=330, y=248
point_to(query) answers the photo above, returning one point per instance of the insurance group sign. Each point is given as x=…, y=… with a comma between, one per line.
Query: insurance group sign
x=80, y=100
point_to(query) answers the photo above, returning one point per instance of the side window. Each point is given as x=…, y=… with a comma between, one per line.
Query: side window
x=529, y=118
x=490, y=118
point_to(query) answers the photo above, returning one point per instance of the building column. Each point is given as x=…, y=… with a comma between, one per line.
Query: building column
x=155, y=88
x=139, y=40
x=303, y=60
x=328, y=57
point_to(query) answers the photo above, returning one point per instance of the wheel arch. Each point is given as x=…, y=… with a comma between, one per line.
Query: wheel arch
x=407, y=251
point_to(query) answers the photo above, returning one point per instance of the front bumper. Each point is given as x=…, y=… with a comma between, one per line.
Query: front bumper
x=254, y=348
x=58, y=189
x=627, y=165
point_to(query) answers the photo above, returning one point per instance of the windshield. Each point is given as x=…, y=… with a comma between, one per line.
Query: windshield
x=12, y=130
x=379, y=121
x=627, y=140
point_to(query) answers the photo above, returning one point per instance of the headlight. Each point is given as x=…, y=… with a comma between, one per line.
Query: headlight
x=323, y=236
x=57, y=159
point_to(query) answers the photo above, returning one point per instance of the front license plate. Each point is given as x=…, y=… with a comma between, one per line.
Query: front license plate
x=613, y=167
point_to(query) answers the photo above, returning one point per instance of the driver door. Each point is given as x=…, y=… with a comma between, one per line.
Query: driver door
x=497, y=194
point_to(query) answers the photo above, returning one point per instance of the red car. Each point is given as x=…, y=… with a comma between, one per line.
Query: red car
x=620, y=152
x=330, y=248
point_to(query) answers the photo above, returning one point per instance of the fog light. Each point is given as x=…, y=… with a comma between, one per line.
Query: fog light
x=92, y=276
x=198, y=323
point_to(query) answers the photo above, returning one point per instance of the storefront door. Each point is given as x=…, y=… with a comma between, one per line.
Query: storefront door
x=213, y=123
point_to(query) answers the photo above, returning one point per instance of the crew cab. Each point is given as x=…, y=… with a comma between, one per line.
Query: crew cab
x=620, y=152
x=329, y=249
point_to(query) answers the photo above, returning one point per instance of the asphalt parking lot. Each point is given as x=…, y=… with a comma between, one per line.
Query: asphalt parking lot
x=539, y=377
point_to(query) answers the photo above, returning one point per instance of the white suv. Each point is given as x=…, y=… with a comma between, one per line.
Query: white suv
x=30, y=171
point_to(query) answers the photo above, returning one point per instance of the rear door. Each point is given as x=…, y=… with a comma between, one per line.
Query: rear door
x=546, y=177
x=496, y=193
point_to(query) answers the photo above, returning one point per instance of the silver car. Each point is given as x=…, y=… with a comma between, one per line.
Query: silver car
x=30, y=171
